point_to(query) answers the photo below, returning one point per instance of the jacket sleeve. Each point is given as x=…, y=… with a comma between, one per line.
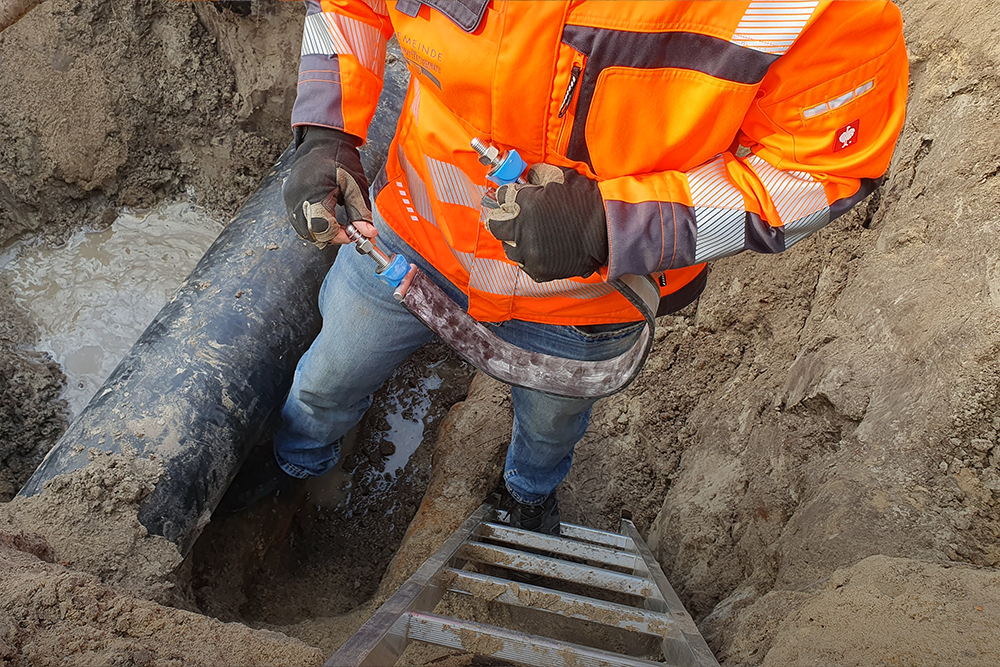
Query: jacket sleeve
x=815, y=142
x=343, y=62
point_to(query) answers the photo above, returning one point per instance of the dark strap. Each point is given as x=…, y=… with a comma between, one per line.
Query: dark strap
x=409, y=7
x=685, y=296
x=466, y=14
x=508, y=363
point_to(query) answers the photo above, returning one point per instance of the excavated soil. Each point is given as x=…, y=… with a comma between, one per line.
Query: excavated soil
x=100, y=502
x=811, y=451
x=32, y=414
x=49, y=612
x=52, y=610
x=112, y=104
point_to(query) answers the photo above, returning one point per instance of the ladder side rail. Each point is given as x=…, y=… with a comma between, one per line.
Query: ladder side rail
x=701, y=655
x=376, y=643
x=517, y=647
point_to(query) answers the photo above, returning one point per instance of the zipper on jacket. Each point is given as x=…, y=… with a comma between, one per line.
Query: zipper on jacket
x=574, y=78
x=566, y=110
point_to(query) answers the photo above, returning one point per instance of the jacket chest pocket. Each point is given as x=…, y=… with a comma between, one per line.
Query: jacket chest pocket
x=647, y=120
x=453, y=64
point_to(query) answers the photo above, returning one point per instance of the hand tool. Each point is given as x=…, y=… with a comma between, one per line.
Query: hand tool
x=390, y=270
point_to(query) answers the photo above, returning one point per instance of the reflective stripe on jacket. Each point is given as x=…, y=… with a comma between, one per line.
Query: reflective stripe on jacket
x=712, y=127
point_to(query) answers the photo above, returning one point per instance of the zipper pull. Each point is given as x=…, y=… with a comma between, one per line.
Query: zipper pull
x=574, y=78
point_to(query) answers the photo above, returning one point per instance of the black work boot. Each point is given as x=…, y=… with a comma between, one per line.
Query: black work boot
x=260, y=479
x=543, y=518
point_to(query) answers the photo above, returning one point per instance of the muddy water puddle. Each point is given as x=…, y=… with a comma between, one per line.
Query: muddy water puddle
x=404, y=411
x=92, y=297
x=407, y=410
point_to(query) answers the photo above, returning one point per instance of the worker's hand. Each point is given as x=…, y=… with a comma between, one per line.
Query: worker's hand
x=554, y=227
x=327, y=172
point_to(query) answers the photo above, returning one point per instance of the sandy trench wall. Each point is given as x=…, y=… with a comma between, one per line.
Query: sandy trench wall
x=837, y=401
x=107, y=104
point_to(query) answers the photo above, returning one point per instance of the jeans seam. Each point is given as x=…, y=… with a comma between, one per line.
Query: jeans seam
x=521, y=499
x=516, y=496
x=290, y=468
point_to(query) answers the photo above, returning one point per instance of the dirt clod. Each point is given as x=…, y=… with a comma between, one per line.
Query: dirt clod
x=89, y=518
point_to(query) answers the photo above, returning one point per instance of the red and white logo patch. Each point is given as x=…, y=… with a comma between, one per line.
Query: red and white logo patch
x=846, y=136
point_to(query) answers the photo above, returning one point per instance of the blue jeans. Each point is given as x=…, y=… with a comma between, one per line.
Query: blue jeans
x=366, y=334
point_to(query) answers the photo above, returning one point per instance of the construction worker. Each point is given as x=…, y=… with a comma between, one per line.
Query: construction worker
x=665, y=135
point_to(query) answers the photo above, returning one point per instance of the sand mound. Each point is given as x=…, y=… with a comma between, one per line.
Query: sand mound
x=90, y=520
x=49, y=614
x=885, y=611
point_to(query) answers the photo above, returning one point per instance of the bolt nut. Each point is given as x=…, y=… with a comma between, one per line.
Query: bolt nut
x=490, y=157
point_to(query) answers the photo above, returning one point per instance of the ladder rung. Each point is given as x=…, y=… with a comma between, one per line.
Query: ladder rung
x=615, y=540
x=558, y=545
x=518, y=647
x=575, y=532
x=555, y=568
x=517, y=594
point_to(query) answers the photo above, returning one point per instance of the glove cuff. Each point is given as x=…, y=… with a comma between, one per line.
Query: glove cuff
x=314, y=133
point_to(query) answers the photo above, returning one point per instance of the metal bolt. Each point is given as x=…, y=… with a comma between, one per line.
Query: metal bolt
x=489, y=156
x=365, y=246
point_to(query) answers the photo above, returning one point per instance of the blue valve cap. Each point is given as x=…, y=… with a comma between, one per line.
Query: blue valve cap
x=395, y=272
x=509, y=170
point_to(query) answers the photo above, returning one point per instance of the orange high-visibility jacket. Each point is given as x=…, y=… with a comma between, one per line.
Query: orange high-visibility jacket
x=712, y=127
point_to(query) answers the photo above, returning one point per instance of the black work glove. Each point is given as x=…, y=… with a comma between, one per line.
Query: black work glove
x=327, y=172
x=554, y=227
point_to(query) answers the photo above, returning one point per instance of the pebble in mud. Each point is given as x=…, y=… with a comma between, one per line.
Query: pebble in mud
x=349, y=463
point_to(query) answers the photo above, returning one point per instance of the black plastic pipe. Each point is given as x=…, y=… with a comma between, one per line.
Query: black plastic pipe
x=200, y=386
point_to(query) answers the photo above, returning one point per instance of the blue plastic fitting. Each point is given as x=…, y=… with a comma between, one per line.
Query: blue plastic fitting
x=509, y=170
x=395, y=272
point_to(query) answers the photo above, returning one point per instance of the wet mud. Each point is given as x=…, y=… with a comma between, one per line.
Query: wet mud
x=335, y=550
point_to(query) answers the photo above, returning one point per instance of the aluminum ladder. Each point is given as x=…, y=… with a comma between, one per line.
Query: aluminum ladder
x=616, y=565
